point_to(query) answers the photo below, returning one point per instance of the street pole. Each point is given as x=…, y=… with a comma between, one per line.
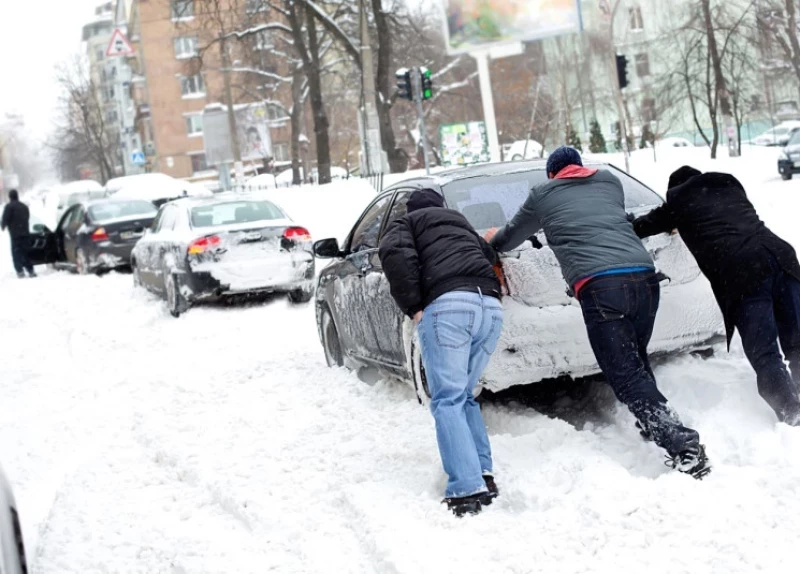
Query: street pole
x=482, y=59
x=612, y=62
x=371, y=132
x=238, y=167
x=416, y=75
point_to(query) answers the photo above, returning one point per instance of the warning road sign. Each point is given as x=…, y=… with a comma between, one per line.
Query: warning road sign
x=119, y=46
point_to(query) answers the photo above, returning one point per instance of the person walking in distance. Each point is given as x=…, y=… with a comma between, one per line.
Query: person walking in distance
x=16, y=218
x=582, y=212
x=441, y=274
x=754, y=273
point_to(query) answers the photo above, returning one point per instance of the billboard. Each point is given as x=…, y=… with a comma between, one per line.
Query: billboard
x=252, y=126
x=472, y=25
x=464, y=144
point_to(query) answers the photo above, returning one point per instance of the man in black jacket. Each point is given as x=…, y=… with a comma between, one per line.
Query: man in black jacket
x=754, y=273
x=441, y=275
x=16, y=218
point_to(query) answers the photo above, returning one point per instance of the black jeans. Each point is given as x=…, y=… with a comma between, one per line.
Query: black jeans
x=765, y=318
x=19, y=254
x=620, y=311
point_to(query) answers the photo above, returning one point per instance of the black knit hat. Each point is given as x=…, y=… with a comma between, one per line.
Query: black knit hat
x=423, y=198
x=561, y=158
x=682, y=175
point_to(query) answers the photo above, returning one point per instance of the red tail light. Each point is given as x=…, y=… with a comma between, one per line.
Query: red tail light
x=203, y=244
x=297, y=234
x=100, y=234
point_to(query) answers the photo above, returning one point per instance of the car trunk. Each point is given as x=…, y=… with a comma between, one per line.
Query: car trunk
x=128, y=231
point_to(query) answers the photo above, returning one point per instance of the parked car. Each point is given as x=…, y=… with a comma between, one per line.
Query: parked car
x=157, y=188
x=93, y=236
x=777, y=136
x=789, y=158
x=522, y=149
x=674, y=142
x=544, y=336
x=261, y=182
x=75, y=192
x=12, y=546
x=231, y=244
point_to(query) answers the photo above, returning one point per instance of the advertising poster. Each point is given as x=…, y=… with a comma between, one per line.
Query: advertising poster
x=464, y=144
x=252, y=126
x=480, y=24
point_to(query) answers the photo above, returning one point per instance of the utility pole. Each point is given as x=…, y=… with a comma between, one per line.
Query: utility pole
x=374, y=160
x=612, y=63
x=235, y=147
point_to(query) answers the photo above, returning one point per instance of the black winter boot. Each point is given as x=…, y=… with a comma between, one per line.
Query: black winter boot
x=692, y=460
x=465, y=504
x=491, y=485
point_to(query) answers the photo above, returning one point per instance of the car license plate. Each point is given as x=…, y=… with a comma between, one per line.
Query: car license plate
x=129, y=235
x=797, y=164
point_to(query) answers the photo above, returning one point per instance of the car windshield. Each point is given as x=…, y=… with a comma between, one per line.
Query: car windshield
x=110, y=210
x=234, y=212
x=795, y=138
x=488, y=203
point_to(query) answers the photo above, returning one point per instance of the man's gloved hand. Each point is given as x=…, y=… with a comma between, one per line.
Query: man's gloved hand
x=535, y=242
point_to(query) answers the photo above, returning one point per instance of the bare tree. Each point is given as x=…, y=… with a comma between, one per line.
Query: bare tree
x=777, y=21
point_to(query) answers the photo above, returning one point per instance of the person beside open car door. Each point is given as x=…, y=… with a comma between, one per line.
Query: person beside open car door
x=754, y=274
x=613, y=277
x=16, y=218
x=440, y=274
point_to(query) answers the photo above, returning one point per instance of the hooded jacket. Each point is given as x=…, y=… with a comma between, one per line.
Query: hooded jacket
x=432, y=251
x=721, y=228
x=16, y=218
x=582, y=212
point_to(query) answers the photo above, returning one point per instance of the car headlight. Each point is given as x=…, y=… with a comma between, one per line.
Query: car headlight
x=783, y=155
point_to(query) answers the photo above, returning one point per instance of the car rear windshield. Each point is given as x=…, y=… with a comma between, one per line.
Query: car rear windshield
x=111, y=210
x=492, y=202
x=235, y=212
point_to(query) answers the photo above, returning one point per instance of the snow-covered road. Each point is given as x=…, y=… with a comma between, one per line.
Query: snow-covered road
x=220, y=442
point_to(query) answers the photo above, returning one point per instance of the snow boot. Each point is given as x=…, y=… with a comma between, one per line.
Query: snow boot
x=465, y=504
x=692, y=460
x=792, y=417
x=494, y=492
x=32, y=274
x=21, y=275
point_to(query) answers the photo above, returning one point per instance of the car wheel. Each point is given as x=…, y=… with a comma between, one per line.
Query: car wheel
x=301, y=296
x=81, y=262
x=330, y=341
x=516, y=157
x=418, y=372
x=786, y=176
x=176, y=303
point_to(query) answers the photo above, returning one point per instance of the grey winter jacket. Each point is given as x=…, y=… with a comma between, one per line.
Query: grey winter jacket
x=585, y=224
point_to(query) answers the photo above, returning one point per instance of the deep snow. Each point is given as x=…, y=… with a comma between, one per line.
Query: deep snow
x=220, y=442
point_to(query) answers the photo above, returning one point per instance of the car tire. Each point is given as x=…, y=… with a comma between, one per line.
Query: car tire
x=786, y=176
x=516, y=157
x=301, y=296
x=331, y=344
x=81, y=262
x=176, y=302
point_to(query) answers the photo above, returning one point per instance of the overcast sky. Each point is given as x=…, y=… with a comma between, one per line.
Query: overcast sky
x=35, y=35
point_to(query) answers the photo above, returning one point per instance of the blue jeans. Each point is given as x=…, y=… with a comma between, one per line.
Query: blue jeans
x=765, y=318
x=458, y=334
x=619, y=312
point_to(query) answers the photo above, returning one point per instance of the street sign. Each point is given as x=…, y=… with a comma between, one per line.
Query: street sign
x=137, y=158
x=119, y=46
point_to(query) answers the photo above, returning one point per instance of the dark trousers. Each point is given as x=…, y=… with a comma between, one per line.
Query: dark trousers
x=765, y=318
x=620, y=311
x=19, y=254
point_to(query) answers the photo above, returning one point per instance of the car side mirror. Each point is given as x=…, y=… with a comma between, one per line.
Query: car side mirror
x=39, y=228
x=327, y=249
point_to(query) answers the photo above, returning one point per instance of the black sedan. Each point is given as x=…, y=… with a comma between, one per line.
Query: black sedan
x=93, y=237
x=231, y=244
x=789, y=160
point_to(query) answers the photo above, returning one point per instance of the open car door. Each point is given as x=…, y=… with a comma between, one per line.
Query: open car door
x=43, y=246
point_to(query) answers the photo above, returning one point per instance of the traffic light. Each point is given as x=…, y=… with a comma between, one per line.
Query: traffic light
x=622, y=71
x=427, y=83
x=404, y=88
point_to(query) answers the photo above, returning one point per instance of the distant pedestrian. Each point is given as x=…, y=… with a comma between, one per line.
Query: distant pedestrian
x=16, y=218
x=441, y=275
x=611, y=274
x=754, y=273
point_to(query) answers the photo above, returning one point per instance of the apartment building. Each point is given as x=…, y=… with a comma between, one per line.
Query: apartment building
x=172, y=85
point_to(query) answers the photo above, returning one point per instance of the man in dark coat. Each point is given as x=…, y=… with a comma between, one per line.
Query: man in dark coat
x=440, y=274
x=582, y=212
x=754, y=273
x=16, y=218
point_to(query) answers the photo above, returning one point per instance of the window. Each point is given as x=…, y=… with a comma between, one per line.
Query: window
x=110, y=210
x=642, y=65
x=264, y=40
x=182, y=9
x=193, y=85
x=235, y=212
x=254, y=6
x=365, y=235
x=167, y=218
x=649, y=110
x=194, y=124
x=399, y=209
x=280, y=152
x=112, y=117
x=100, y=53
x=275, y=112
x=637, y=24
x=185, y=47
x=199, y=162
